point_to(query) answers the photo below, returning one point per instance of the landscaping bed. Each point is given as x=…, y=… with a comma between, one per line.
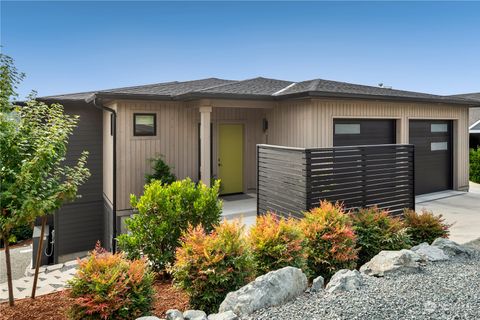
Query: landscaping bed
x=443, y=290
x=53, y=306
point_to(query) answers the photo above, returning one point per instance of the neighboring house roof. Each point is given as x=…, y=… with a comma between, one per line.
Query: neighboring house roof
x=259, y=88
x=474, y=114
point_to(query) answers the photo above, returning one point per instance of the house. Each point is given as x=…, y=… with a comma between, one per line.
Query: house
x=209, y=128
x=474, y=120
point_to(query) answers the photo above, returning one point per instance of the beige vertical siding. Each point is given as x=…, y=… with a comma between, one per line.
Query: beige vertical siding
x=177, y=141
x=309, y=123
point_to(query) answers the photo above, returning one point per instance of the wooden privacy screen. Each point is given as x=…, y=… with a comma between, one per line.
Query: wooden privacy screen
x=293, y=180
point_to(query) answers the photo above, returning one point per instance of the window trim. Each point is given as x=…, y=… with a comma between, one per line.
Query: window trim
x=135, y=134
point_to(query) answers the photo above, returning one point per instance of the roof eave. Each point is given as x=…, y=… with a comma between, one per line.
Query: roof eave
x=322, y=94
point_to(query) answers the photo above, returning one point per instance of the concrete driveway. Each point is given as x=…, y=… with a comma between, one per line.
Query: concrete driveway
x=460, y=208
x=20, y=258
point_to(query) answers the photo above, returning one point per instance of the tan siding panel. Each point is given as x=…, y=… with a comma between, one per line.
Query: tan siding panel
x=177, y=141
x=289, y=125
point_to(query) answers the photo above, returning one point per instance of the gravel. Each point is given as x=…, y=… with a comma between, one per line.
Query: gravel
x=442, y=290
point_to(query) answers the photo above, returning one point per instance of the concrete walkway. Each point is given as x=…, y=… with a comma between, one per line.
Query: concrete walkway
x=50, y=279
x=242, y=207
x=460, y=208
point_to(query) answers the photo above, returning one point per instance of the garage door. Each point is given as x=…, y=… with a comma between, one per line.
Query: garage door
x=353, y=132
x=433, y=155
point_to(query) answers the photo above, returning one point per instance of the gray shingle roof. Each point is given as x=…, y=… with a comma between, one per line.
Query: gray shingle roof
x=259, y=88
x=474, y=113
x=70, y=96
x=256, y=86
x=171, y=88
x=328, y=86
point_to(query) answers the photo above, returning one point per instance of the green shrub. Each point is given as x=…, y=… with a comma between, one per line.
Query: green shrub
x=18, y=234
x=276, y=243
x=376, y=230
x=161, y=171
x=108, y=286
x=208, y=266
x=163, y=213
x=329, y=239
x=475, y=165
x=425, y=226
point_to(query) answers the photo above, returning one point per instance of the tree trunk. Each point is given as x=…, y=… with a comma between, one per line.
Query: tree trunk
x=39, y=254
x=9, y=270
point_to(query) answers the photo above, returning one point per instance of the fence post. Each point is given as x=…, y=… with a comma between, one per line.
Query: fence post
x=364, y=176
x=258, y=180
x=412, y=164
x=308, y=179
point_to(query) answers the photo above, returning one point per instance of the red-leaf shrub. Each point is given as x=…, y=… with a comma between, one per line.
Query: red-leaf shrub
x=276, y=243
x=329, y=239
x=208, y=266
x=425, y=226
x=108, y=286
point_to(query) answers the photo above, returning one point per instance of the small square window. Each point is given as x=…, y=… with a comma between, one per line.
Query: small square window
x=144, y=124
x=438, y=127
x=438, y=146
x=347, y=128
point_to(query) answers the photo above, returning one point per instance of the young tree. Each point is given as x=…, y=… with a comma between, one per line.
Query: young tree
x=34, y=180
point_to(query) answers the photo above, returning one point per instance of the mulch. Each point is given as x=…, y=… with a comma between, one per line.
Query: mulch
x=23, y=243
x=54, y=306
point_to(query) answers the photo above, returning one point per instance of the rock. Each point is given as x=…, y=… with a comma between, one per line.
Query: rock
x=392, y=262
x=429, y=253
x=271, y=289
x=451, y=248
x=228, y=315
x=345, y=280
x=194, y=315
x=148, y=318
x=317, y=284
x=174, y=314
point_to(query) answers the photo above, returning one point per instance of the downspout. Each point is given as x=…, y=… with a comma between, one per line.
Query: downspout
x=114, y=204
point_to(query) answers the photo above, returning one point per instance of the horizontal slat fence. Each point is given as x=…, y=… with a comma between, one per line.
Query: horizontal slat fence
x=293, y=180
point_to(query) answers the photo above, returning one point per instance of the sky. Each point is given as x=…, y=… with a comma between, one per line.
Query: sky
x=67, y=46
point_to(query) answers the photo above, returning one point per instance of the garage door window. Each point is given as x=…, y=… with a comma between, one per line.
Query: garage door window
x=438, y=127
x=438, y=146
x=347, y=128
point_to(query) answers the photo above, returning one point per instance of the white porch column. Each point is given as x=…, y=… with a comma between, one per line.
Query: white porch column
x=205, y=134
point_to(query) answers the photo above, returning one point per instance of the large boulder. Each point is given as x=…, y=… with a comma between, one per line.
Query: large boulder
x=194, y=315
x=228, y=315
x=430, y=253
x=392, y=262
x=345, y=280
x=271, y=289
x=451, y=248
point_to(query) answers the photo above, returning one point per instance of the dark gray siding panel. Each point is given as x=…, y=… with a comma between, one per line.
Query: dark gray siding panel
x=79, y=224
x=372, y=131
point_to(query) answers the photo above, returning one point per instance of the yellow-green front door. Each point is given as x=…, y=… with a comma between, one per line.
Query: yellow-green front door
x=230, y=158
